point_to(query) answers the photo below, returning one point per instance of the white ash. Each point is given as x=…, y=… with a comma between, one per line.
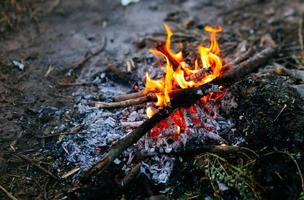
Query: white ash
x=102, y=127
x=159, y=169
x=100, y=131
x=18, y=64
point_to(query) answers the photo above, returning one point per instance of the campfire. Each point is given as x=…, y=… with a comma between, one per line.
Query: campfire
x=180, y=96
x=135, y=99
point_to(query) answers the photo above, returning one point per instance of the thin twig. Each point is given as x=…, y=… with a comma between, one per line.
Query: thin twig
x=128, y=96
x=301, y=34
x=126, y=103
x=8, y=194
x=13, y=144
x=89, y=56
x=132, y=124
x=76, y=84
x=285, y=106
x=53, y=6
x=73, y=130
x=34, y=163
x=71, y=172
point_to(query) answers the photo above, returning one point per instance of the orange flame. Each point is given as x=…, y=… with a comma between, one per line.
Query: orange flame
x=178, y=73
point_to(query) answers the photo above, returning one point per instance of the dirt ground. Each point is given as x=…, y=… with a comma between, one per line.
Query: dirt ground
x=52, y=38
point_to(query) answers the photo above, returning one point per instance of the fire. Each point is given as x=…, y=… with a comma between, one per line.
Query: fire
x=178, y=73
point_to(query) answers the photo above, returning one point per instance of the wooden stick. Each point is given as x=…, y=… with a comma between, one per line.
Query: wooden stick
x=246, y=67
x=132, y=124
x=126, y=103
x=128, y=96
x=71, y=172
x=240, y=58
x=25, y=158
x=182, y=98
x=8, y=194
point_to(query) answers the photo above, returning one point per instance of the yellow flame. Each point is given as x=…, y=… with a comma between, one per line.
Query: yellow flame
x=177, y=71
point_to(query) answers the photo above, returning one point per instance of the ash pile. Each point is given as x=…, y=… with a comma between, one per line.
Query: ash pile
x=98, y=128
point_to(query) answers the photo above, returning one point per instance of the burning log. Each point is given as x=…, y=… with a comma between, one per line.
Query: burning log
x=180, y=98
x=238, y=71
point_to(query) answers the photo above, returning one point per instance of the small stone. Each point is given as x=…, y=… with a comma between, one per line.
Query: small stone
x=117, y=161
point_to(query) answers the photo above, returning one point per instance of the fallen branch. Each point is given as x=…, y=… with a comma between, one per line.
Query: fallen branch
x=181, y=98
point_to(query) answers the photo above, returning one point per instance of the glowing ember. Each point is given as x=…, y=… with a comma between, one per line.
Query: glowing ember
x=178, y=74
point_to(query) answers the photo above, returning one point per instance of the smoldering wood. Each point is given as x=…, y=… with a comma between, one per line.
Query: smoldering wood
x=181, y=98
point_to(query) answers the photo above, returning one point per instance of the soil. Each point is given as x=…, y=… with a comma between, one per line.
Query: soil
x=52, y=40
